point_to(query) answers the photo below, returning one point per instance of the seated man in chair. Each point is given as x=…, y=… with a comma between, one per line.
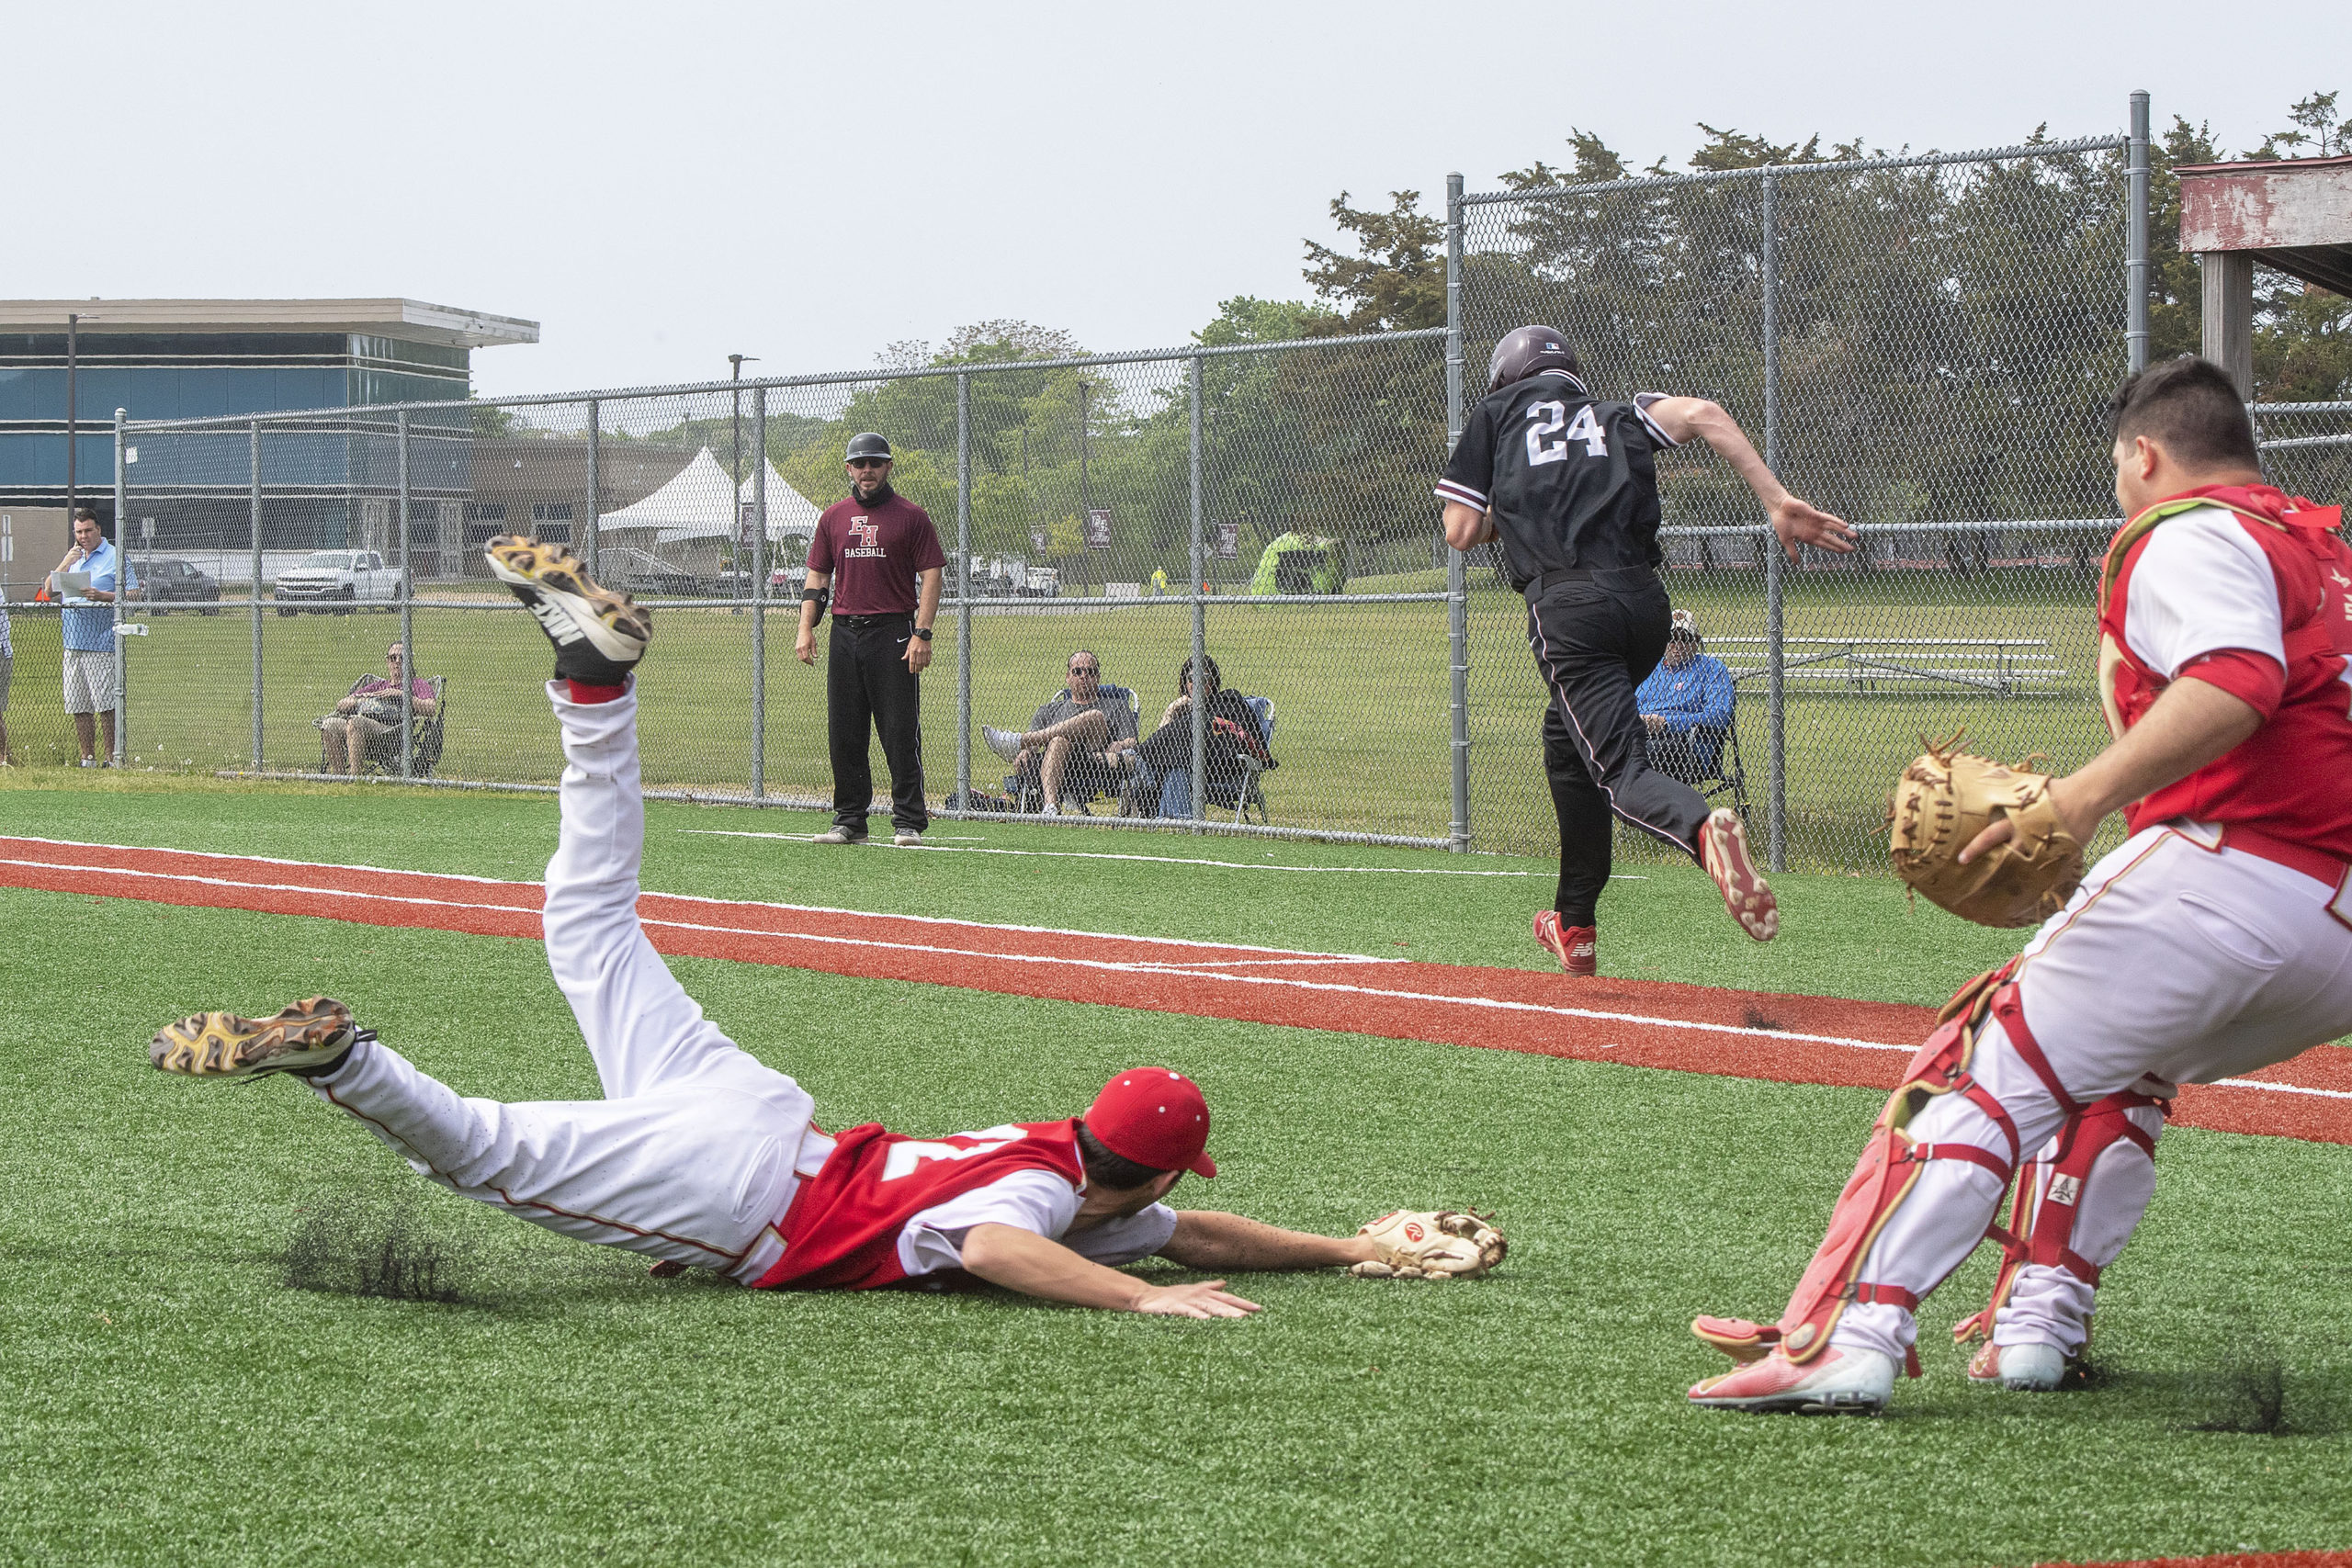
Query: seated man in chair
x=1079, y=745
x=1686, y=706
x=370, y=710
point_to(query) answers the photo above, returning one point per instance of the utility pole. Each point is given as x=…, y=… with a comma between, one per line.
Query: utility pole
x=735, y=365
x=72, y=355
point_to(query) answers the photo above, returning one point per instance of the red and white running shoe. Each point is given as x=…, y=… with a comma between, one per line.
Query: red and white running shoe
x=1574, y=946
x=1723, y=850
x=1854, y=1381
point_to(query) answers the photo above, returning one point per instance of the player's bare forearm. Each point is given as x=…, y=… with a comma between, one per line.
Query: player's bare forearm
x=1794, y=522
x=1205, y=1240
x=804, y=646
x=1466, y=525
x=927, y=597
x=1025, y=1262
x=2191, y=724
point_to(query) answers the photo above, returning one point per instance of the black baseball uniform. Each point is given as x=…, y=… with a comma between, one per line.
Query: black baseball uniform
x=1573, y=491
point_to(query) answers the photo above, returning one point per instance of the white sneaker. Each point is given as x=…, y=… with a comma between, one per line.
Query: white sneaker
x=1003, y=744
x=2021, y=1369
x=1841, y=1379
x=1052, y=808
x=907, y=838
x=838, y=835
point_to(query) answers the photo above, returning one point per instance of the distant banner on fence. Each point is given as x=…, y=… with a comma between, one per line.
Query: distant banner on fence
x=1098, y=529
x=1229, y=541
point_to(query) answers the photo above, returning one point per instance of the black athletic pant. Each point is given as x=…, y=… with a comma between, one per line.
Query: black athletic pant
x=1595, y=639
x=867, y=682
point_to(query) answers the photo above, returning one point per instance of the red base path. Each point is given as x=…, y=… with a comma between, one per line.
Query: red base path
x=1788, y=1039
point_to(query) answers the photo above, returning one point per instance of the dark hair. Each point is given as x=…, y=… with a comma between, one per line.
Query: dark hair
x=1184, y=674
x=2191, y=407
x=1105, y=1168
x=80, y=513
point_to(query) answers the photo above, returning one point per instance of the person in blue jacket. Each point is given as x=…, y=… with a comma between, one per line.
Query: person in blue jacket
x=1686, y=705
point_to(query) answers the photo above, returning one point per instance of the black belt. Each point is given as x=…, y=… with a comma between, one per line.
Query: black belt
x=861, y=622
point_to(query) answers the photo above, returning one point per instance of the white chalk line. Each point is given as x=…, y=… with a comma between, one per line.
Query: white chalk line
x=1106, y=965
x=1168, y=860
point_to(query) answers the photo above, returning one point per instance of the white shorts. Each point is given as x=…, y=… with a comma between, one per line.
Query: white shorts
x=89, y=681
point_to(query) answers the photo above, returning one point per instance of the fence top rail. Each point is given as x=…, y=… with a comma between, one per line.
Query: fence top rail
x=770, y=383
x=1848, y=166
x=1893, y=641
x=2258, y=410
x=2015, y=525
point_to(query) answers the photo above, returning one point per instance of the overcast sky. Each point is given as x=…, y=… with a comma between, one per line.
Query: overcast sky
x=662, y=185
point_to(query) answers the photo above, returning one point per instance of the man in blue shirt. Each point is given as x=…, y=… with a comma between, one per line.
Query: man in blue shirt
x=1686, y=705
x=89, y=634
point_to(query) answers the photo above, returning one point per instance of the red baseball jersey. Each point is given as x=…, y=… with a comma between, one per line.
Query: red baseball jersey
x=875, y=550
x=843, y=1227
x=2243, y=588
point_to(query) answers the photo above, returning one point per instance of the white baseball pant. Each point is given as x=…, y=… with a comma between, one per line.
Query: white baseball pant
x=694, y=1152
x=2175, y=962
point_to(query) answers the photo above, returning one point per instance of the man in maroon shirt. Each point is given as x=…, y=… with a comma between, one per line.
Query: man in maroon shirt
x=879, y=554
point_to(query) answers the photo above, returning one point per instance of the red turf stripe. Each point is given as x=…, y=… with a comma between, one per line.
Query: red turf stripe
x=2228, y=1560
x=1757, y=1034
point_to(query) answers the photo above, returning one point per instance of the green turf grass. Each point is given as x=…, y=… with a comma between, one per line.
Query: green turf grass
x=170, y=1401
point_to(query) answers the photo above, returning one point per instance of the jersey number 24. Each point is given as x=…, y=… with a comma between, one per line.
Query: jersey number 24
x=1586, y=429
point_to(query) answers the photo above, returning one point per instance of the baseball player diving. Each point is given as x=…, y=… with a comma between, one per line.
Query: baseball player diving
x=2217, y=940
x=699, y=1155
x=1567, y=483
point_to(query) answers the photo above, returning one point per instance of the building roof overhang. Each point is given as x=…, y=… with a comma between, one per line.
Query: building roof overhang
x=412, y=319
x=2294, y=214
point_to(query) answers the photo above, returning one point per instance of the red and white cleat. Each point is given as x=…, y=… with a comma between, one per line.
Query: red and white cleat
x=1723, y=850
x=1577, y=947
x=1836, y=1382
x=2021, y=1369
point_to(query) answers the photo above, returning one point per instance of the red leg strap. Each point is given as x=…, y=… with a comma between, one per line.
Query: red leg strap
x=1889, y=1295
x=2081, y=1267
x=2010, y=1009
x=1969, y=1152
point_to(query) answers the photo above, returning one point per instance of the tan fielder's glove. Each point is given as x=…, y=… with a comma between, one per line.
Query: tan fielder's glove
x=1447, y=1244
x=1944, y=799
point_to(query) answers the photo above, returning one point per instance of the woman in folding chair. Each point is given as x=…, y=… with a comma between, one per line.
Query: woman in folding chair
x=1237, y=751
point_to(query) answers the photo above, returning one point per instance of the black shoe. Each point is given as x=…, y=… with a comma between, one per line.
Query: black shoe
x=599, y=636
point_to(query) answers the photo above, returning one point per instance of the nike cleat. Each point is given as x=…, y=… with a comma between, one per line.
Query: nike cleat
x=306, y=1036
x=1836, y=1382
x=1723, y=847
x=599, y=636
x=1577, y=947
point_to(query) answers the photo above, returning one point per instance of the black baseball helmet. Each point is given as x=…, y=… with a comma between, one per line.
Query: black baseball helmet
x=867, y=445
x=1526, y=350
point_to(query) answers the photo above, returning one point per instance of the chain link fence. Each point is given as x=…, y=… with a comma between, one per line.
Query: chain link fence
x=1920, y=345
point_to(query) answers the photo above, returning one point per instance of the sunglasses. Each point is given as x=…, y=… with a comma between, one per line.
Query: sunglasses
x=1084, y=669
x=869, y=462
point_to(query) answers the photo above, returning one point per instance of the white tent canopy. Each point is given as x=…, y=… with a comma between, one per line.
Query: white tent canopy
x=700, y=504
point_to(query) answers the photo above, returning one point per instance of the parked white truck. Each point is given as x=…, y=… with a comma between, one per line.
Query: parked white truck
x=335, y=580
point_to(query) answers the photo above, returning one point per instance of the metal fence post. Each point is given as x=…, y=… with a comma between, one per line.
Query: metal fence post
x=2135, y=242
x=1457, y=564
x=759, y=592
x=1200, y=623
x=1776, y=765
x=253, y=475
x=121, y=592
x=595, y=485
x=408, y=620
x=963, y=592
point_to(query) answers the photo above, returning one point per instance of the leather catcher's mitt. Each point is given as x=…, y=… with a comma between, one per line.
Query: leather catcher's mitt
x=1447, y=1244
x=1944, y=799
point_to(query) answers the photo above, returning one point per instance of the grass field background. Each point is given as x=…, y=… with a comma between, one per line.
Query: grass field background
x=171, y=1399
x=1360, y=691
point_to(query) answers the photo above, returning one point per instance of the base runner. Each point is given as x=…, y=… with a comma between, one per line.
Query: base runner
x=700, y=1155
x=2216, y=941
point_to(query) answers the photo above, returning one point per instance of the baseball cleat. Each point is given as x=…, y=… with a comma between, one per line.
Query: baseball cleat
x=1723, y=847
x=1003, y=743
x=1836, y=1382
x=306, y=1035
x=1574, y=946
x=599, y=636
x=2021, y=1369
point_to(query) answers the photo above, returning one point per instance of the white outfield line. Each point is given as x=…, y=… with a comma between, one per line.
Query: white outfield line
x=1167, y=860
x=1186, y=969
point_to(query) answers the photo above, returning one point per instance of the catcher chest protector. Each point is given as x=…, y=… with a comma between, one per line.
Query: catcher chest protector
x=1891, y=1162
x=2050, y=1194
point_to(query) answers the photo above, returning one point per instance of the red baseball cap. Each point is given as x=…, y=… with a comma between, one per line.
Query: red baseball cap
x=1154, y=1117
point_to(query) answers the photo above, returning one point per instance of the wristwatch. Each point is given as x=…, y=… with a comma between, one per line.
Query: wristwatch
x=923, y=632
